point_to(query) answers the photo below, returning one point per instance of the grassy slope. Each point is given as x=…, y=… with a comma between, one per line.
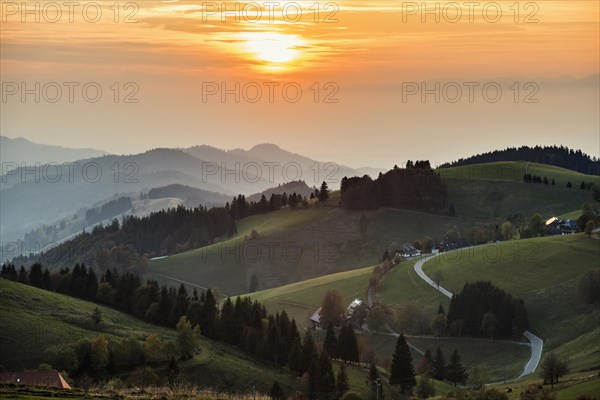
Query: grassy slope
x=495, y=190
x=545, y=273
x=403, y=285
x=514, y=170
x=303, y=298
x=34, y=319
x=295, y=245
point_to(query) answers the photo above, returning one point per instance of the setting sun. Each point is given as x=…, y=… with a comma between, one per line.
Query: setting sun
x=274, y=51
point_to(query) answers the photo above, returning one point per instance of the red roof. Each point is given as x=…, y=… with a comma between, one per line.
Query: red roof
x=35, y=378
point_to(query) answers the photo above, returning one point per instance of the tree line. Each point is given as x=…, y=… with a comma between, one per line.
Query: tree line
x=240, y=208
x=482, y=309
x=559, y=156
x=108, y=210
x=130, y=243
x=416, y=187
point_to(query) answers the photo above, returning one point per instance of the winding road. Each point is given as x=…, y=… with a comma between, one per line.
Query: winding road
x=536, y=343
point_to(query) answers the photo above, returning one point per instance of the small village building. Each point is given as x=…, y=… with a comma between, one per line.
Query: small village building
x=407, y=250
x=315, y=319
x=51, y=379
x=555, y=226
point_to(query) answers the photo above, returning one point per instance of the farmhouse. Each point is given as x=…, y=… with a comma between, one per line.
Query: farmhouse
x=555, y=226
x=356, y=304
x=407, y=250
x=51, y=379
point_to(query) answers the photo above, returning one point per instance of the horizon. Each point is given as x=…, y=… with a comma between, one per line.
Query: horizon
x=400, y=161
x=366, y=83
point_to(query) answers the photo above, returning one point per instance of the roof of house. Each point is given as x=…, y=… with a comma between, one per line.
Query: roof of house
x=316, y=317
x=551, y=221
x=35, y=378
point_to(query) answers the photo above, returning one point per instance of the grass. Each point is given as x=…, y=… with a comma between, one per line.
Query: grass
x=498, y=360
x=295, y=245
x=403, y=285
x=322, y=239
x=494, y=190
x=33, y=319
x=301, y=299
x=545, y=273
x=513, y=171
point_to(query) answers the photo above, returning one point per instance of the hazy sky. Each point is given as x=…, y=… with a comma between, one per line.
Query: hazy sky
x=459, y=79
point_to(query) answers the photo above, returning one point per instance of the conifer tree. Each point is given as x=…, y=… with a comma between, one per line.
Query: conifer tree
x=439, y=365
x=330, y=344
x=402, y=372
x=455, y=371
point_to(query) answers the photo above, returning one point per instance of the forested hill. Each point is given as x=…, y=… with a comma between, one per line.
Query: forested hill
x=561, y=156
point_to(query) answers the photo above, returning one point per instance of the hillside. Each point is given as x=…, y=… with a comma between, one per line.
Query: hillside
x=301, y=299
x=548, y=271
x=295, y=245
x=495, y=190
x=22, y=151
x=33, y=319
x=190, y=196
x=563, y=157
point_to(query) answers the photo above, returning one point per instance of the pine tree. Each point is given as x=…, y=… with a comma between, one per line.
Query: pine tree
x=22, y=275
x=295, y=357
x=441, y=310
x=309, y=351
x=330, y=344
x=325, y=378
x=210, y=314
x=402, y=372
x=36, y=275
x=324, y=192
x=342, y=385
x=439, y=365
x=47, y=281
x=455, y=371
x=347, y=344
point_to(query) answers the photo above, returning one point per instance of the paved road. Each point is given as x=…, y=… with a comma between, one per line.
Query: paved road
x=536, y=343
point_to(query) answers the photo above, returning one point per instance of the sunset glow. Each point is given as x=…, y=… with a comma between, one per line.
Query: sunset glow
x=171, y=48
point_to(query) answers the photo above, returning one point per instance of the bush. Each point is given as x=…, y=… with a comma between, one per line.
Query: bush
x=424, y=387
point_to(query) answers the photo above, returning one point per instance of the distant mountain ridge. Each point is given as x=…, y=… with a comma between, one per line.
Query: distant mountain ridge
x=22, y=151
x=559, y=156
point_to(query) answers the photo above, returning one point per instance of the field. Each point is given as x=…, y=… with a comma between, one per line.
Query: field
x=493, y=190
x=295, y=245
x=513, y=171
x=545, y=273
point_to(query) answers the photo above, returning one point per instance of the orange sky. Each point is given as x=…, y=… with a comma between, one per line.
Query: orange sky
x=367, y=50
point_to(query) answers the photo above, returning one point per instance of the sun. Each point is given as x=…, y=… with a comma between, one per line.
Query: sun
x=274, y=51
